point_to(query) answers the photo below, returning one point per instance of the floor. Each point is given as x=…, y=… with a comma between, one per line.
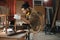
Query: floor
x=42, y=36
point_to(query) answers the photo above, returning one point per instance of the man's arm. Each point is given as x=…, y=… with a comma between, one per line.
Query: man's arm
x=25, y=20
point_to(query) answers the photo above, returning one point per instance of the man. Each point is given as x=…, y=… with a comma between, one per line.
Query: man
x=24, y=16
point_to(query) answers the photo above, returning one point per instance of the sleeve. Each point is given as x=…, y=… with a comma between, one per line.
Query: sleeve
x=16, y=16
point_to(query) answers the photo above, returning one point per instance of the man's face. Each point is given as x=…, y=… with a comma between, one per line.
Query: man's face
x=24, y=11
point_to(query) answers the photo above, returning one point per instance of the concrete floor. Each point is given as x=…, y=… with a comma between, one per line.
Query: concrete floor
x=43, y=36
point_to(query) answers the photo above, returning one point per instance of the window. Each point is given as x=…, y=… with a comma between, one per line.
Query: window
x=37, y=3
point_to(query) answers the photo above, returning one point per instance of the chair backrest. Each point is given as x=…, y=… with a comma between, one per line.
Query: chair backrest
x=12, y=22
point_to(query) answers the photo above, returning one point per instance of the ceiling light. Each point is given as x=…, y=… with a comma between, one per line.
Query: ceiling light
x=45, y=0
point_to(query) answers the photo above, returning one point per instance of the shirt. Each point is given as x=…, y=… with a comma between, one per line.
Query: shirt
x=18, y=19
x=17, y=16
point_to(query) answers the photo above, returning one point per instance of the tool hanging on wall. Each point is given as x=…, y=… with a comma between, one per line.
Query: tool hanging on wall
x=56, y=12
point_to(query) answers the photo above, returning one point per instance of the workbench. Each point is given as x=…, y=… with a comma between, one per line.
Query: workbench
x=4, y=36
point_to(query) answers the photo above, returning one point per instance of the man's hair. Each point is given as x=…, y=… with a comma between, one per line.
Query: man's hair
x=25, y=5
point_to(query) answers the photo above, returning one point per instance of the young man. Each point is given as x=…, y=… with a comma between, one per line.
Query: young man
x=24, y=16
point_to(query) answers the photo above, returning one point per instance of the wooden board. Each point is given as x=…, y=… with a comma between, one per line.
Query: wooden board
x=3, y=36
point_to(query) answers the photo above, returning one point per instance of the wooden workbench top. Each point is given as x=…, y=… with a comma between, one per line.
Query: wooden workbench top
x=19, y=35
